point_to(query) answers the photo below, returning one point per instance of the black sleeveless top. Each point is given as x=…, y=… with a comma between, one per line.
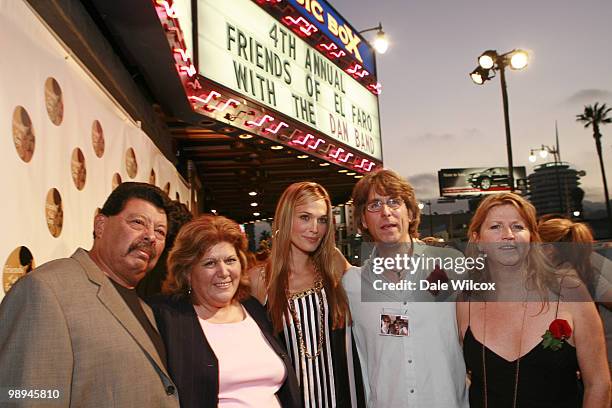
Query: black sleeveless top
x=546, y=378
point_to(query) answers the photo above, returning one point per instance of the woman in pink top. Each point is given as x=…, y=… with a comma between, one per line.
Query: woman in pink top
x=220, y=346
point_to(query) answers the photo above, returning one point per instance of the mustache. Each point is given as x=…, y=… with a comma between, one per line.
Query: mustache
x=144, y=246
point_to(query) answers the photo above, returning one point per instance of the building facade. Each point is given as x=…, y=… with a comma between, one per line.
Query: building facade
x=554, y=188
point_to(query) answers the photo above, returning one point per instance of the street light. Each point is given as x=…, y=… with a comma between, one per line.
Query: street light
x=380, y=43
x=489, y=63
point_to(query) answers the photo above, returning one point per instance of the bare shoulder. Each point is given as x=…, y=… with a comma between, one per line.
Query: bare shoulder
x=572, y=288
x=575, y=299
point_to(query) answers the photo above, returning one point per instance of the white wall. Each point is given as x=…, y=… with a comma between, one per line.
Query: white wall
x=31, y=55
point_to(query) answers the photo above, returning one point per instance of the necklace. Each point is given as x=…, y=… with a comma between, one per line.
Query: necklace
x=317, y=289
x=518, y=359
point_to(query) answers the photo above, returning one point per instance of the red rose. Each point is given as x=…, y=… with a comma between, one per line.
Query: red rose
x=560, y=329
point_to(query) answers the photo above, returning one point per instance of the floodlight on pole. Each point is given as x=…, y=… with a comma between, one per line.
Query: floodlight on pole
x=487, y=59
x=490, y=62
x=519, y=59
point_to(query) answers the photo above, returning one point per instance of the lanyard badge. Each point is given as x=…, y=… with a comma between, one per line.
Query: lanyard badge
x=394, y=323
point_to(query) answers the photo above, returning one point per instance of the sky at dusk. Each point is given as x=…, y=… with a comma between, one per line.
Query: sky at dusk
x=433, y=116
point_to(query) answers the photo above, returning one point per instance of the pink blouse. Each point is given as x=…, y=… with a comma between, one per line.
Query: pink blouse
x=250, y=372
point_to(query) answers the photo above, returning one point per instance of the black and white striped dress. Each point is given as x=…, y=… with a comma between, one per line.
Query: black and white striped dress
x=326, y=366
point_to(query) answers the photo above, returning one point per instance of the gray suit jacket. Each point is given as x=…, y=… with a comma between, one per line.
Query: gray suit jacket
x=65, y=327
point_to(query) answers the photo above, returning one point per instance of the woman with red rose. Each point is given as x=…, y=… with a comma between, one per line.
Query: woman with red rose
x=525, y=342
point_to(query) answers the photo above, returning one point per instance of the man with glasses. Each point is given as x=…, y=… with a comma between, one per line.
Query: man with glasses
x=422, y=365
x=74, y=333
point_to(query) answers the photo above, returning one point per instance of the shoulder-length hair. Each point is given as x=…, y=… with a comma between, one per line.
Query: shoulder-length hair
x=279, y=262
x=577, y=249
x=386, y=183
x=538, y=273
x=193, y=241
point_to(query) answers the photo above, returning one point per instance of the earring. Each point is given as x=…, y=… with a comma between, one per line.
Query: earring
x=189, y=290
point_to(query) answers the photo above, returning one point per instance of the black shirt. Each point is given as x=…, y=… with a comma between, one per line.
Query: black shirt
x=133, y=301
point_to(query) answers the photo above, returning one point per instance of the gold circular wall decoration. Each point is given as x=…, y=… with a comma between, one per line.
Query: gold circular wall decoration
x=23, y=134
x=116, y=180
x=97, y=138
x=131, y=165
x=152, y=177
x=54, y=101
x=19, y=262
x=54, y=212
x=78, y=168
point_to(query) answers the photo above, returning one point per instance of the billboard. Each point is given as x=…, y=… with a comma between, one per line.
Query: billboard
x=478, y=180
x=243, y=48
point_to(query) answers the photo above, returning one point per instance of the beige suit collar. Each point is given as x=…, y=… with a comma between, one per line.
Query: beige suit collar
x=112, y=300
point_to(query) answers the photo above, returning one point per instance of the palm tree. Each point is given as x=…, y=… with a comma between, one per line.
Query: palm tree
x=595, y=115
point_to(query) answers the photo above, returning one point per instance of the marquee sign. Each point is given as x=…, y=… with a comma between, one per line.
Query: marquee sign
x=326, y=19
x=245, y=49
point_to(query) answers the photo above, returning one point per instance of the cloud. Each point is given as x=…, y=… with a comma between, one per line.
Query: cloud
x=425, y=184
x=589, y=96
x=423, y=179
x=448, y=137
x=435, y=137
x=472, y=132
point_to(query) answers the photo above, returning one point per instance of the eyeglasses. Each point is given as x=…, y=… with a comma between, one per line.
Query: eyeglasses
x=377, y=205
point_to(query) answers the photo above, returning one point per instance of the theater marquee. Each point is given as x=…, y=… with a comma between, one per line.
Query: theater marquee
x=245, y=49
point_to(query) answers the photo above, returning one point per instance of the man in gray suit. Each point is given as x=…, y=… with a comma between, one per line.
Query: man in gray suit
x=73, y=332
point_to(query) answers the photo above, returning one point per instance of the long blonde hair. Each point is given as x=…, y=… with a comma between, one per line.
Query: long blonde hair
x=279, y=263
x=538, y=273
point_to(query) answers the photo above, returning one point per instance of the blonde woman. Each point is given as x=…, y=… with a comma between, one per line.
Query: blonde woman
x=300, y=286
